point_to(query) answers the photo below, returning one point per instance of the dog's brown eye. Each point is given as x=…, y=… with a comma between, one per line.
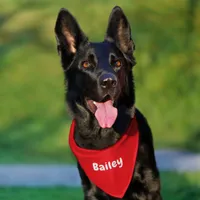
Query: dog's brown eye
x=118, y=63
x=85, y=64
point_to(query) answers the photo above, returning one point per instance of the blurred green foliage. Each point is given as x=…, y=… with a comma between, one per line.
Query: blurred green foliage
x=33, y=121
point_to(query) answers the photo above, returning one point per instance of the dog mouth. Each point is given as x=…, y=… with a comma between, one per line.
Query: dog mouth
x=92, y=105
x=104, y=111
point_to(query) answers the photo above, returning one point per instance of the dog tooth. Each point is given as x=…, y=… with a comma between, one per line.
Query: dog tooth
x=94, y=102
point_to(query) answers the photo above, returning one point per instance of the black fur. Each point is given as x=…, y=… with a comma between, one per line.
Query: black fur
x=85, y=84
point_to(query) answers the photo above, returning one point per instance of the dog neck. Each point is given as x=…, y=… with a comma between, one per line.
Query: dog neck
x=89, y=135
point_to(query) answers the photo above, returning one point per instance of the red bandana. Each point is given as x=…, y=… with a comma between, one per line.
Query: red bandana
x=110, y=169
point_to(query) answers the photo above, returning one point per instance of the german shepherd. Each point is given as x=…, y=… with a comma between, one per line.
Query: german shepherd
x=100, y=94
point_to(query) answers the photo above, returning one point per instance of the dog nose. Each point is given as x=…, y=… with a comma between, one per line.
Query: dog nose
x=108, y=81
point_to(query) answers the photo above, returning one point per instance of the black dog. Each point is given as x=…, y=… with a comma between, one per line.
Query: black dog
x=101, y=97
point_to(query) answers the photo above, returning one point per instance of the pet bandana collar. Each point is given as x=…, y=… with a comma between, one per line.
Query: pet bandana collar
x=110, y=169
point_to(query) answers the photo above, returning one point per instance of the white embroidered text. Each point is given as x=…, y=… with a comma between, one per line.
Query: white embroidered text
x=108, y=165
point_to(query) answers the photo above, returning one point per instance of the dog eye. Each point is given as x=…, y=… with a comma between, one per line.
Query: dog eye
x=118, y=63
x=85, y=64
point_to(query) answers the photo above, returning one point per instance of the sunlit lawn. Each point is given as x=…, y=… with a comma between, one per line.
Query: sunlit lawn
x=174, y=187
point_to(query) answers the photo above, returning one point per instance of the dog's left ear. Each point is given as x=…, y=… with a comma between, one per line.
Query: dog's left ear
x=119, y=31
x=69, y=35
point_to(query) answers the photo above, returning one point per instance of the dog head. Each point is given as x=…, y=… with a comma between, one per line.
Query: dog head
x=98, y=75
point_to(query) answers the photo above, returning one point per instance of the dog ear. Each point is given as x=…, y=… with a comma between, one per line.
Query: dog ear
x=119, y=31
x=68, y=34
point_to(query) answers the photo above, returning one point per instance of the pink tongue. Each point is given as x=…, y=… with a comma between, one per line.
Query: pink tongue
x=106, y=114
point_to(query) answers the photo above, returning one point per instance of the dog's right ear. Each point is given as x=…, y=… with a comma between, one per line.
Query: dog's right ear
x=119, y=32
x=69, y=35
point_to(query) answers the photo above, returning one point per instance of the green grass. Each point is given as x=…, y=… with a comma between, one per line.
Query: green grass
x=174, y=186
x=33, y=121
x=40, y=194
x=180, y=186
